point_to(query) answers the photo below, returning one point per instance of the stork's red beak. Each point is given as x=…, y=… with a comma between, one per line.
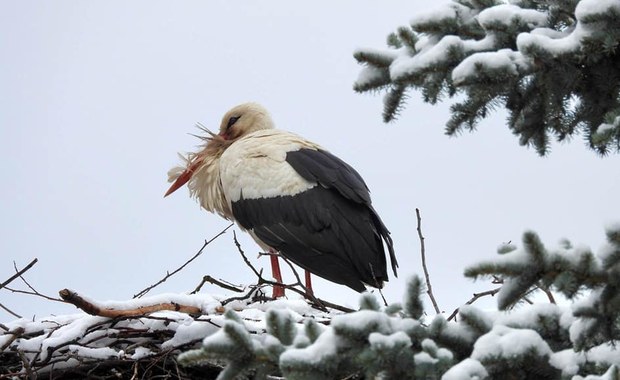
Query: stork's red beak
x=182, y=180
x=185, y=176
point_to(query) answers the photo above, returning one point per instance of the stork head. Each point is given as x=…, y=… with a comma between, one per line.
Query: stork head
x=236, y=123
x=243, y=119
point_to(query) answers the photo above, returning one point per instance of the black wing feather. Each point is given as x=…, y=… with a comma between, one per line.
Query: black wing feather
x=330, y=230
x=332, y=172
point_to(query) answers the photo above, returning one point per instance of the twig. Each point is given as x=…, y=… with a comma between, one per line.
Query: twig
x=491, y=293
x=429, y=288
x=245, y=258
x=26, y=365
x=219, y=283
x=33, y=293
x=307, y=293
x=93, y=309
x=170, y=274
x=378, y=286
x=19, y=273
x=10, y=312
x=318, y=303
x=548, y=293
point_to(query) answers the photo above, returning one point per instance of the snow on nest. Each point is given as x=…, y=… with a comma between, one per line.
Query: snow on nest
x=57, y=341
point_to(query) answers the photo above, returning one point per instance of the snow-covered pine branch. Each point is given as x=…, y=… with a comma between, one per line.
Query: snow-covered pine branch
x=537, y=341
x=554, y=65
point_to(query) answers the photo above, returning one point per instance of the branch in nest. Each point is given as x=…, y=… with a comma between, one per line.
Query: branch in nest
x=317, y=303
x=15, y=333
x=19, y=273
x=31, y=292
x=94, y=309
x=221, y=284
x=170, y=274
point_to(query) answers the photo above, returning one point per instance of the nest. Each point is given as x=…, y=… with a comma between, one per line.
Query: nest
x=130, y=346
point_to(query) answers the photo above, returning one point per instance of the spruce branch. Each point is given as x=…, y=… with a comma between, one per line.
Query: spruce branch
x=531, y=61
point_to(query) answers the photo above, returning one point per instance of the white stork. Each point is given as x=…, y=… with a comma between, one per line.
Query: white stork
x=292, y=196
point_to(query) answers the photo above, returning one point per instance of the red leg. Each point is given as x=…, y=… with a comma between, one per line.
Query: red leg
x=309, y=284
x=278, y=291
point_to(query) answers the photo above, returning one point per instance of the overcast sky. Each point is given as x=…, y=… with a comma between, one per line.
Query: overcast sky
x=96, y=99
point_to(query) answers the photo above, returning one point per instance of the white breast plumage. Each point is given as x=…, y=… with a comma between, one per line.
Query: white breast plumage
x=255, y=166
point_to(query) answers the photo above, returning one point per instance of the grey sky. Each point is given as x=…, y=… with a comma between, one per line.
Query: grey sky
x=97, y=98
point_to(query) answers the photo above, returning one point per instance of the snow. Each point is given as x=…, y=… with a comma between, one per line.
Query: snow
x=325, y=345
x=509, y=61
x=141, y=353
x=423, y=358
x=202, y=301
x=369, y=74
x=91, y=338
x=605, y=353
x=433, y=50
x=101, y=353
x=606, y=128
x=505, y=247
x=442, y=14
x=363, y=320
x=507, y=14
x=503, y=341
x=467, y=369
x=556, y=43
x=431, y=55
x=613, y=227
x=568, y=361
x=386, y=342
x=189, y=331
x=527, y=42
x=587, y=8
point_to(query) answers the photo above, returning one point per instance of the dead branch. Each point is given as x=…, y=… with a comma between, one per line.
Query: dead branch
x=10, y=311
x=16, y=333
x=476, y=296
x=170, y=274
x=93, y=309
x=26, y=365
x=219, y=283
x=33, y=293
x=429, y=288
x=19, y=272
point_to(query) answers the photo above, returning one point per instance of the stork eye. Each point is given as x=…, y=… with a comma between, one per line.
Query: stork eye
x=231, y=121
